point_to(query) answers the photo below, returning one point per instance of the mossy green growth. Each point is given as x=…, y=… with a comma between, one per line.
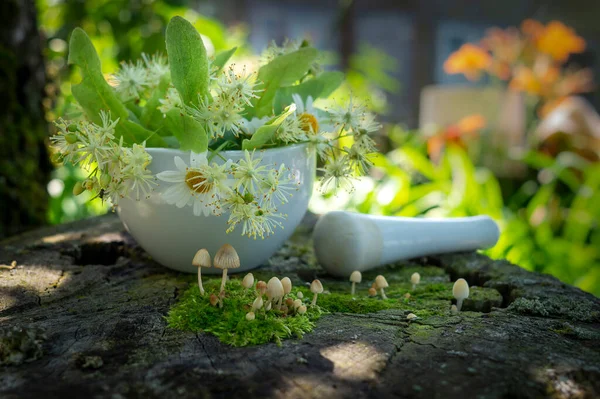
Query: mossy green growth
x=194, y=312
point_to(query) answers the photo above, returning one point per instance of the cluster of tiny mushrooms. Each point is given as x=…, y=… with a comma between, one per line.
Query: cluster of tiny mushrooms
x=460, y=290
x=275, y=290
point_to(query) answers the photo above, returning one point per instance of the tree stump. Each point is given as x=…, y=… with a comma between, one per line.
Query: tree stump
x=82, y=316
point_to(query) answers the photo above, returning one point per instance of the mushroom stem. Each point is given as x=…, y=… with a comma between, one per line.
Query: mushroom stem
x=414, y=286
x=459, y=303
x=200, y=281
x=223, y=280
x=314, y=301
x=383, y=294
x=353, y=288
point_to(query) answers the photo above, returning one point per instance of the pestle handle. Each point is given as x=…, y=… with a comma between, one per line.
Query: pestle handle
x=346, y=241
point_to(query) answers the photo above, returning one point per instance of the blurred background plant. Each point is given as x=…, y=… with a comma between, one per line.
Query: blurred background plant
x=549, y=211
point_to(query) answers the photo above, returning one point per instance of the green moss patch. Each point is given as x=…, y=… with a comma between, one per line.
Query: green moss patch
x=194, y=312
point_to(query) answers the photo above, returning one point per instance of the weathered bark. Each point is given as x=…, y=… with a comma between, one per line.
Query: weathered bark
x=24, y=165
x=87, y=308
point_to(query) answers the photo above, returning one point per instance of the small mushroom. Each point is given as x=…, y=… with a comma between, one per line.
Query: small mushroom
x=257, y=304
x=411, y=316
x=250, y=316
x=268, y=306
x=372, y=291
x=275, y=291
x=201, y=259
x=355, y=277
x=300, y=295
x=289, y=303
x=297, y=303
x=213, y=300
x=316, y=288
x=415, y=279
x=302, y=309
x=261, y=287
x=407, y=296
x=284, y=309
x=381, y=283
x=287, y=285
x=225, y=259
x=460, y=291
x=453, y=309
x=248, y=281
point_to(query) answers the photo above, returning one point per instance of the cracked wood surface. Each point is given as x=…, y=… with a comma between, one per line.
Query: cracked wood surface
x=82, y=315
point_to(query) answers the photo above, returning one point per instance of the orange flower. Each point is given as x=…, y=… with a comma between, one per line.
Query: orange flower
x=467, y=127
x=537, y=81
x=505, y=46
x=469, y=60
x=575, y=82
x=532, y=28
x=558, y=41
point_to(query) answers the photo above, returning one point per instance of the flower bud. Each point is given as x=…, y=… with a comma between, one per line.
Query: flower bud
x=71, y=138
x=78, y=188
x=57, y=157
x=105, y=180
x=72, y=127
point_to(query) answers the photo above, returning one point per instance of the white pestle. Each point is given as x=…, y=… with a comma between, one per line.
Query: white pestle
x=346, y=241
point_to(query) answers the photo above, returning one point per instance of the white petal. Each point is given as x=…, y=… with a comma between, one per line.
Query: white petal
x=198, y=159
x=171, y=176
x=181, y=165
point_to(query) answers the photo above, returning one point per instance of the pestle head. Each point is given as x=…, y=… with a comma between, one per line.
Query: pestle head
x=345, y=242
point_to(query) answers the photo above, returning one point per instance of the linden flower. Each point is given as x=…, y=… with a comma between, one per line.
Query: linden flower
x=197, y=185
x=220, y=116
x=131, y=80
x=469, y=60
x=276, y=185
x=291, y=131
x=156, y=67
x=350, y=117
x=256, y=221
x=337, y=174
x=248, y=173
x=171, y=100
x=239, y=87
x=558, y=41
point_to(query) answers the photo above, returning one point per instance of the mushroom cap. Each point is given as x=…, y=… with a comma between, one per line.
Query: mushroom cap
x=202, y=258
x=227, y=258
x=356, y=276
x=268, y=306
x=274, y=288
x=372, y=291
x=261, y=287
x=250, y=316
x=460, y=290
x=287, y=285
x=415, y=278
x=316, y=287
x=297, y=303
x=302, y=309
x=411, y=316
x=381, y=282
x=248, y=280
x=258, y=303
x=300, y=295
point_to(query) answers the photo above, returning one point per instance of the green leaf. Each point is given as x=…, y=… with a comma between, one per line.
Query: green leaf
x=221, y=59
x=94, y=94
x=187, y=60
x=151, y=116
x=284, y=70
x=320, y=87
x=134, y=133
x=265, y=133
x=189, y=132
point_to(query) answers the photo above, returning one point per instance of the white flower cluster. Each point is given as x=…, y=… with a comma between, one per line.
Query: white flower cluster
x=136, y=80
x=248, y=190
x=115, y=171
x=222, y=113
